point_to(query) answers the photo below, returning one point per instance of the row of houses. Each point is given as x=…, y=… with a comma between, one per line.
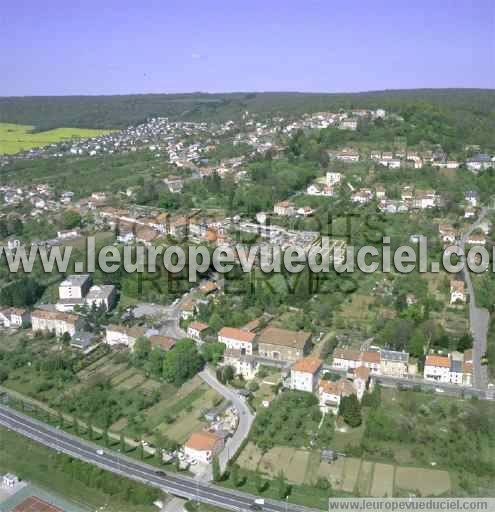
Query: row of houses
x=306, y=375
x=454, y=368
x=391, y=363
x=245, y=349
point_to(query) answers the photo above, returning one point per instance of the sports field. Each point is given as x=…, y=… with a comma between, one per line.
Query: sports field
x=18, y=137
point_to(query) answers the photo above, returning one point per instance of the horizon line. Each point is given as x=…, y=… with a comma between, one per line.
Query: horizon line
x=219, y=93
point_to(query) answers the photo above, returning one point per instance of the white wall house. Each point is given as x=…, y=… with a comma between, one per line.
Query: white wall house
x=55, y=321
x=304, y=374
x=237, y=339
x=203, y=446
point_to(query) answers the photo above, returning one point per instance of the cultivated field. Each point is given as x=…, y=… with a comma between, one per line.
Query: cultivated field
x=348, y=474
x=17, y=137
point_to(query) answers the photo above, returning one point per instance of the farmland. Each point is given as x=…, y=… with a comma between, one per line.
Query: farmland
x=346, y=475
x=110, y=393
x=15, y=138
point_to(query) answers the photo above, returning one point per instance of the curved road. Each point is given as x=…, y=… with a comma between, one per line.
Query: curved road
x=246, y=417
x=175, y=484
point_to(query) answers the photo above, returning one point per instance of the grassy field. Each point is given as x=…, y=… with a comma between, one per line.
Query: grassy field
x=42, y=467
x=18, y=137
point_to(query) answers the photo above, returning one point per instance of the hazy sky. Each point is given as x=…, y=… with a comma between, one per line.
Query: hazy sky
x=118, y=47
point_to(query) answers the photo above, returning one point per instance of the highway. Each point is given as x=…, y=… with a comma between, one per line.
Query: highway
x=171, y=483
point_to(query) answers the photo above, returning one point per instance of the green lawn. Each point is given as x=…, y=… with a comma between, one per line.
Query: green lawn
x=18, y=137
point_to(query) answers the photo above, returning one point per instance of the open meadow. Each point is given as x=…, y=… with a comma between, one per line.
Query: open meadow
x=15, y=138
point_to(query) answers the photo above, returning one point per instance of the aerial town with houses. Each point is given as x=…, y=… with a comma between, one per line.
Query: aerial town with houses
x=198, y=377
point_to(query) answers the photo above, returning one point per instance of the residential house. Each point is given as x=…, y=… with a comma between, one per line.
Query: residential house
x=187, y=309
x=164, y=343
x=305, y=211
x=345, y=359
x=331, y=393
x=285, y=209
x=283, y=345
x=424, y=199
x=122, y=335
x=380, y=192
x=104, y=295
x=348, y=124
x=394, y=363
x=361, y=380
x=479, y=162
x=371, y=359
x=196, y=331
x=203, y=446
x=15, y=317
x=476, y=239
x=447, y=369
x=174, y=184
x=472, y=198
x=333, y=178
x=237, y=339
x=245, y=365
x=55, y=321
x=305, y=373
x=347, y=155
x=447, y=233
x=457, y=292
x=362, y=196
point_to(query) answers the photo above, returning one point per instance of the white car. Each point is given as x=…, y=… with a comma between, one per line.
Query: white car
x=100, y=452
x=439, y=390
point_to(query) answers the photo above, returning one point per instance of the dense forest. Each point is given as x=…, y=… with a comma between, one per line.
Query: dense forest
x=473, y=108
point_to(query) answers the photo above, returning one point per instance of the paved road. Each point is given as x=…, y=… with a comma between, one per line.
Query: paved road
x=426, y=385
x=246, y=417
x=175, y=484
x=479, y=318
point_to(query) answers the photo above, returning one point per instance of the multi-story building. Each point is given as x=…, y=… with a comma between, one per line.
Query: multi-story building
x=55, y=321
x=237, y=339
x=304, y=374
x=283, y=345
x=454, y=368
x=394, y=363
x=244, y=365
x=72, y=290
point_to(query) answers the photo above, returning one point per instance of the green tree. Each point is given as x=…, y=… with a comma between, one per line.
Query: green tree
x=283, y=488
x=71, y=219
x=182, y=362
x=350, y=410
x=259, y=482
x=234, y=475
x=216, y=471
